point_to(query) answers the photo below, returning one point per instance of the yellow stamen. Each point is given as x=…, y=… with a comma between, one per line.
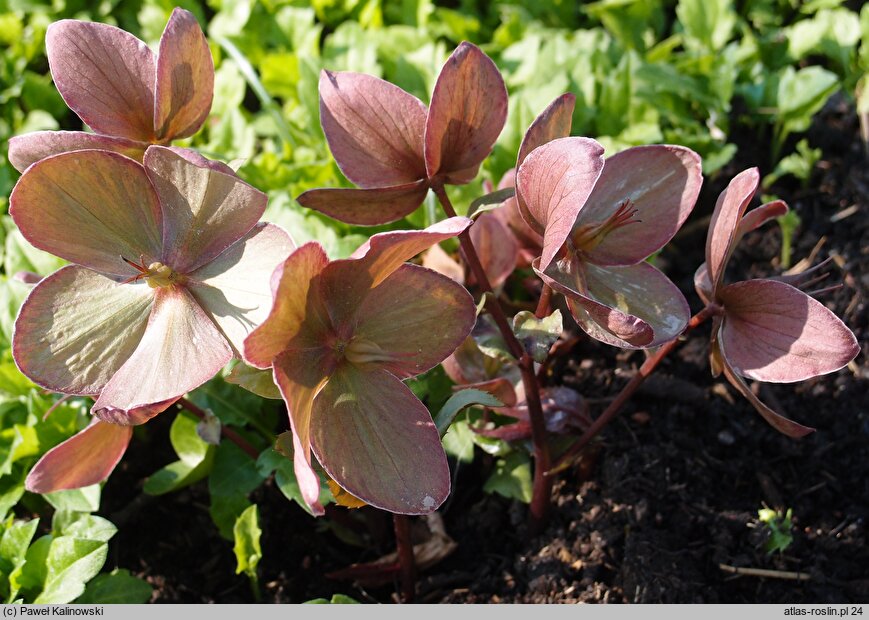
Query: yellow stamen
x=160, y=275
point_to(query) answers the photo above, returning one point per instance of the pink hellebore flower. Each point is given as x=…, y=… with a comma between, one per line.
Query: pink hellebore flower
x=127, y=95
x=170, y=273
x=765, y=330
x=340, y=337
x=388, y=143
x=600, y=220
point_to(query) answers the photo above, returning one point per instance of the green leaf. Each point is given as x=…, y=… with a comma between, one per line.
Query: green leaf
x=233, y=477
x=709, y=22
x=260, y=382
x=248, y=551
x=459, y=441
x=537, y=335
x=281, y=464
x=118, y=587
x=459, y=401
x=70, y=564
x=86, y=499
x=196, y=458
x=82, y=526
x=512, y=477
x=337, y=599
x=492, y=200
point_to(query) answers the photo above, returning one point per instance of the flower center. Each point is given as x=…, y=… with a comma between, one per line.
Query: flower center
x=588, y=236
x=156, y=275
x=363, y=353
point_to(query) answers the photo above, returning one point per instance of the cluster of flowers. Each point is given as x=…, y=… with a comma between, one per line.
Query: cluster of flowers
x=172, y=276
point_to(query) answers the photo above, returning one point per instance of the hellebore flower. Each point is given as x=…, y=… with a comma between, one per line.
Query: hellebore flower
x=120, y=89
x=600, y=220
x=387, y=142
x=765, y=330
x=340, y=337
x=170, y=273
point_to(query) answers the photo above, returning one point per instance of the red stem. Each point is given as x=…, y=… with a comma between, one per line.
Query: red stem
x=542, y=489
x=636, y=381
x=543, y=304
x=404, y=546
x=227, y=432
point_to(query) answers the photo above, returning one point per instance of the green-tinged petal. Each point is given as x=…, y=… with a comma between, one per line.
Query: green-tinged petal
x=378, y=441
x=32, y=147
x=417, y=317
x=204, y=210
x=661, y=182
x=300, y=375
x=467, y=113
x=374, y=129
x=91, y=208
x=105, y=75
x=185, y=78
x=367, y=207
x=297, y=312
x=180, y=350
x=77, y=328
x=776, y=420
x=729, y=208
x=775, y=332
x=235, y=288
x=82, y=460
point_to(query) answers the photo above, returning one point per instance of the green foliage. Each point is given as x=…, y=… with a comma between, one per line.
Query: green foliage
x=512, y=477
x=778, y=527
x=459, y=401
x=248, y=551
x=195, y=458
x=537, y=335
x=337, y=599
x=116, y=588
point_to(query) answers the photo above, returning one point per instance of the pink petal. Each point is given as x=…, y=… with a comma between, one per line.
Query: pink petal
x=77, y=328
x=301, y=375
x=105, y=75
x=367, y=207
x=630, y=307
x=530, y=242
x=729, y=208
x=662, y=182
x=345, y=283
x=374, y=129
x=181, y=350
x=554, y=181
x=496, y=247
x=296, y=305
x=468, y=111
x=756, y=218
x=702, y=284
x=235, y=288
x=185, y=78
x=104, y=198
x=417, y=317
x=775, y=332
x=204, y=210
x=32, y=147
x=377, y=441
x=437, y=260
x=82, y=460
x=776, y=420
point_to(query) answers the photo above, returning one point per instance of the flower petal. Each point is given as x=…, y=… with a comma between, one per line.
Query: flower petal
x=702, y=284
x=180, y=350
x=105, y=75
x=374, y=129
x=300, y=376
x=731, y=204
x=775, y=332
x=345, y=283
x=468, y=111
x=375, y=439
x=776, y=420
x=91, y=208
x=496, y=246
x=235, y=288
x=297, y=304
x=661, y=181
x=756, y=218
x=436, y=259
x=77, y=328
x=204, y=210
x=630, y=307
x=86, y=458
x=418, y=317
x=185, y=78
x=554, y=122
x=367, y=207
x=554, y=182
x=32, y=147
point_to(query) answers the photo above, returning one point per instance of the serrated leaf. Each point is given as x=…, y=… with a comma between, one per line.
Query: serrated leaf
x=459, y=401
x=248, y=551
x=537, y=335
x=116, y=588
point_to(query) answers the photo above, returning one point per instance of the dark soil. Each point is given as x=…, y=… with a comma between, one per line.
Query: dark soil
x=669, y=493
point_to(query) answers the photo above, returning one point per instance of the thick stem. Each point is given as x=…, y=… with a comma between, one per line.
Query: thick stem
x=543, y=304
x=542, y=489
x=227, y=432
x=404, y=546
x=622, y=397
